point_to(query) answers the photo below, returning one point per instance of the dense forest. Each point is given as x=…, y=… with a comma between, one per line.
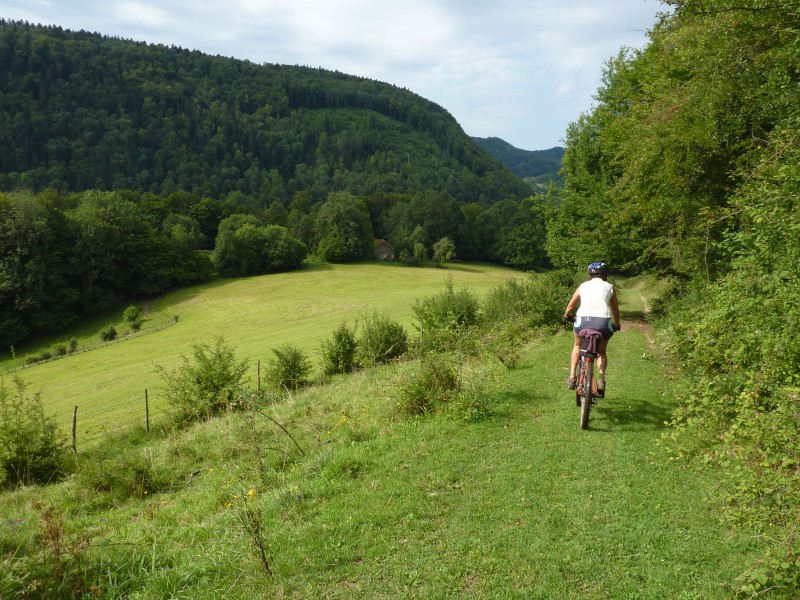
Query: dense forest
x=84, y=111
x=129, y=169
x=689, y=165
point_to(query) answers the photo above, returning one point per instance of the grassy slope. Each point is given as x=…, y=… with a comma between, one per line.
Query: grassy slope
x=521, y=505
x=524, y=505
x=253, y=314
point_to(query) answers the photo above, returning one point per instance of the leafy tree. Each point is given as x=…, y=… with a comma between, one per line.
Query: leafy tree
x=343, y=229
x=245, y=247
x=444, y=251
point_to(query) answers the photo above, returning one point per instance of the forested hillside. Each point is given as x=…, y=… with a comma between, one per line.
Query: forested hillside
x=689, y=165
x=124, y=164
x=525, y=163
x=84, y=111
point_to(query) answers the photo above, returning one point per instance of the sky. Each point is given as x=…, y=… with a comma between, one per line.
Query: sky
x=520, y=70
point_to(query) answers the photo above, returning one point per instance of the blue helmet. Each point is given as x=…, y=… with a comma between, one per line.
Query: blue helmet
x=598, y=269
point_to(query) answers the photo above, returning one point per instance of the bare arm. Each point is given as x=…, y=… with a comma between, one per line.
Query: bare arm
x=573, y=304
x=614, y=307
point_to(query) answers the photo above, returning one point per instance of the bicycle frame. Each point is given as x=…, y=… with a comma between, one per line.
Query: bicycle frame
x=586, y=388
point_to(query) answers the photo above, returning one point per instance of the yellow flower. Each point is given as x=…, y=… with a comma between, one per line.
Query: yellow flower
x=251, y=493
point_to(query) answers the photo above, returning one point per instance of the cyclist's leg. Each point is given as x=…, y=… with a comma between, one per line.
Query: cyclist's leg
x=576, y=355
x=602, y=359
x=573, y=362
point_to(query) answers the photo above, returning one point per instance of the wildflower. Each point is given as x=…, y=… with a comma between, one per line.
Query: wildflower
x=251, y=493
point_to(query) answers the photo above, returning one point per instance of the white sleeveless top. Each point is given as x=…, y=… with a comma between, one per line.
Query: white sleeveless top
x=595, y=296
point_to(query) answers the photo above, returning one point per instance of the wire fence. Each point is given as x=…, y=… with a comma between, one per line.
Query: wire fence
x=92, y=424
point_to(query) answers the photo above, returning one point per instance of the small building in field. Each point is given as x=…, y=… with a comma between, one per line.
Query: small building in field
x=383, y=250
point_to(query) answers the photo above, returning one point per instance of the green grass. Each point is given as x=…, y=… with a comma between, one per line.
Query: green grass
x=253, y=314
x=523, y=504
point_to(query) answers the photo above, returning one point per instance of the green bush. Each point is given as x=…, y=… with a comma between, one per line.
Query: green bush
x=449, y=310
x=338, y=353
x=131, y=314
x=434, y=382
x=382, y=339
x=538, y=301
x=136, y=325
x=31, y=449
x=60, y=349
x=108, y=334
x=288, y=368
x=73, y=344
x=206, y=387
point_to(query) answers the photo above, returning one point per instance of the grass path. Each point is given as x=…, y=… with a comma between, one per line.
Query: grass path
x=525, y=505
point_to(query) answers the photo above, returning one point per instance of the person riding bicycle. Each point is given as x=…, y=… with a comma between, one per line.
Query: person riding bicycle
x=598, y=310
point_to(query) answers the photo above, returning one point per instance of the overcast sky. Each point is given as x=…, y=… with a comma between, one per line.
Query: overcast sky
x=521, y=70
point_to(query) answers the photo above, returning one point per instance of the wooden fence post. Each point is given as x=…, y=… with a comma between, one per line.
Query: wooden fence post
x=74, y=425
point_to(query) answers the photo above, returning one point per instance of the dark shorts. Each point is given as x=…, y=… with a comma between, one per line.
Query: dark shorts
x=601, y=324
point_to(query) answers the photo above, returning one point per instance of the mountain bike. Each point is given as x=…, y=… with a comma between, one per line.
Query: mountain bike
x=586, y=387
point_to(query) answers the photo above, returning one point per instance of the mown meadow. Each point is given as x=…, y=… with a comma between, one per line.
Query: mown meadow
x=338, y=490
x=254, y=314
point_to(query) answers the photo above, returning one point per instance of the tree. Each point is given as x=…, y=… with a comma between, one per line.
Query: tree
x=343, y=229
x=444, y=251
x=245, y=247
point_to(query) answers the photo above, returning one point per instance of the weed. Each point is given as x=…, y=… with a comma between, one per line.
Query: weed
x=433, y=382
x=252, y=521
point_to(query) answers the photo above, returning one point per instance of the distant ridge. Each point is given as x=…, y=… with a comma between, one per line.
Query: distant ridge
x=523, y=163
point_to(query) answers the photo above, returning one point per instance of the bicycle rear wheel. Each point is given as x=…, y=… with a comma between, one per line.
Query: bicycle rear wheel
x=586, y=407
x=585, y=392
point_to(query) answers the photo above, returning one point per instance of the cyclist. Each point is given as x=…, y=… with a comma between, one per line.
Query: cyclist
x=598, y=309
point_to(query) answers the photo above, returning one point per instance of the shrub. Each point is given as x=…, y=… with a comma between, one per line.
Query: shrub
x=289, y=368
x=381, y=340
x=60, y=349
x=31, y=450
x=433, y=383
x=108, y=334
x=338, y=353
x=538, y=301
x=136, y=325
x=206, y=387
x=450, y=310
x=131, y=314
x=73, y=344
